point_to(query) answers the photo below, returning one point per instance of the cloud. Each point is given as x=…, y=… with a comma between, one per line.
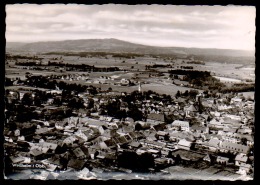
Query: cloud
x=191, y=26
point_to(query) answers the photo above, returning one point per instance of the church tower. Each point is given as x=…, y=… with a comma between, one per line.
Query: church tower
x=139, y=87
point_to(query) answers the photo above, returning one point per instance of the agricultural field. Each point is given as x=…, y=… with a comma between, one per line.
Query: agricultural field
x=135, y=70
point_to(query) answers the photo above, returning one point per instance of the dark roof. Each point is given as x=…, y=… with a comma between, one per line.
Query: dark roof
x=85, y=150
x=110, y=156
x=188, y=155
x=198, y=127
x=78, y=152
x=76, y=164
x=122, y=139
x=128, y=138
x=110, y=142
x=140, y=135
x=156, y=117
x=159, y=127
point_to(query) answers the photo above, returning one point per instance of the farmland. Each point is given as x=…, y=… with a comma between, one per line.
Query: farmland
x=135, y=69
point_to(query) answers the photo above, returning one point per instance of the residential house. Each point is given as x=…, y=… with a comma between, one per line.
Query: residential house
x=155, y=117
x=141, y=125
x=150, y=134
x=124, y=106
x=163, y=162
x=76, y=164
x=154, y=152
x=184, y=144
x=222, y=160
x=176, y=136
x=244, y=169
x=187, y=155
x=183, y=125
x=207, y=158
x=199, y=129
x=134, y=145
x=162, y=135
x=235, y=100
x=153, y=144
x=216, y=123
x=190, y=110
x=245, y=131
x=212, y=144
x=241, y=159
x=111, y=143
x=79, y=153
x=159, y=127
x=234, y=117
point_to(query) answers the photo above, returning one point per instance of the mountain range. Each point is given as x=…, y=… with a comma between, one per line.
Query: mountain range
x=118, y=46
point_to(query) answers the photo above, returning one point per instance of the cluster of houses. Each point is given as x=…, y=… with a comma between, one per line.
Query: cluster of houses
x=220, y=134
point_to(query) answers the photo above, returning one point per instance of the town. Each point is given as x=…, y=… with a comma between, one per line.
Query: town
x=76, y=121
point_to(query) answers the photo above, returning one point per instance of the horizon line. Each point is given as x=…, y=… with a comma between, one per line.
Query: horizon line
x=129, y=42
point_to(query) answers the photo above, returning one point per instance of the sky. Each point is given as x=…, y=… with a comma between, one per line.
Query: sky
x=225, y=27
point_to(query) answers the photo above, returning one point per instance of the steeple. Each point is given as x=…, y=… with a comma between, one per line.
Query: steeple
x=139, y=87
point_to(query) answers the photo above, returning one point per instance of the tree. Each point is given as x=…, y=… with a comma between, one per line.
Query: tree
x=27, y=99
x=135, y=113
x=37, y=101
x=193, y=93
x=127, y=160
x=178, y=94
x=145, y=161
x=244, y=141
x=186, y=93
x=90, y=103
x=178, y=159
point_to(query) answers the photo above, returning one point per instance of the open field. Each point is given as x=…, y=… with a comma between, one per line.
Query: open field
x=160, y=84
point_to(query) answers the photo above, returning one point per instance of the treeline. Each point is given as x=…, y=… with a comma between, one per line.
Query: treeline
x=186, y=67
x=97, y=54
x=199, y=79
x=44, y=82
x=27, y=63
x=158, y=66
x=196, y=62
x=226, y=59
x=79, y=67
x=80, y=54
x=238, y=88
x=127, y=55
x=191, y=74
x=15, y=57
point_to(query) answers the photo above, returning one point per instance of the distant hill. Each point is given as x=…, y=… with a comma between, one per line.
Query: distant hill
x=14, y=45
x=118, y=46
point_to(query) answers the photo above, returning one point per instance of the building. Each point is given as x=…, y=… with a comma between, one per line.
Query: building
x=222, y=160
x=234, y=147
x=199, y=129
x=240, y=159
x=184, y=144
x=212, y=144
x=184, y=125
x=244, y=169
x=154, y=117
